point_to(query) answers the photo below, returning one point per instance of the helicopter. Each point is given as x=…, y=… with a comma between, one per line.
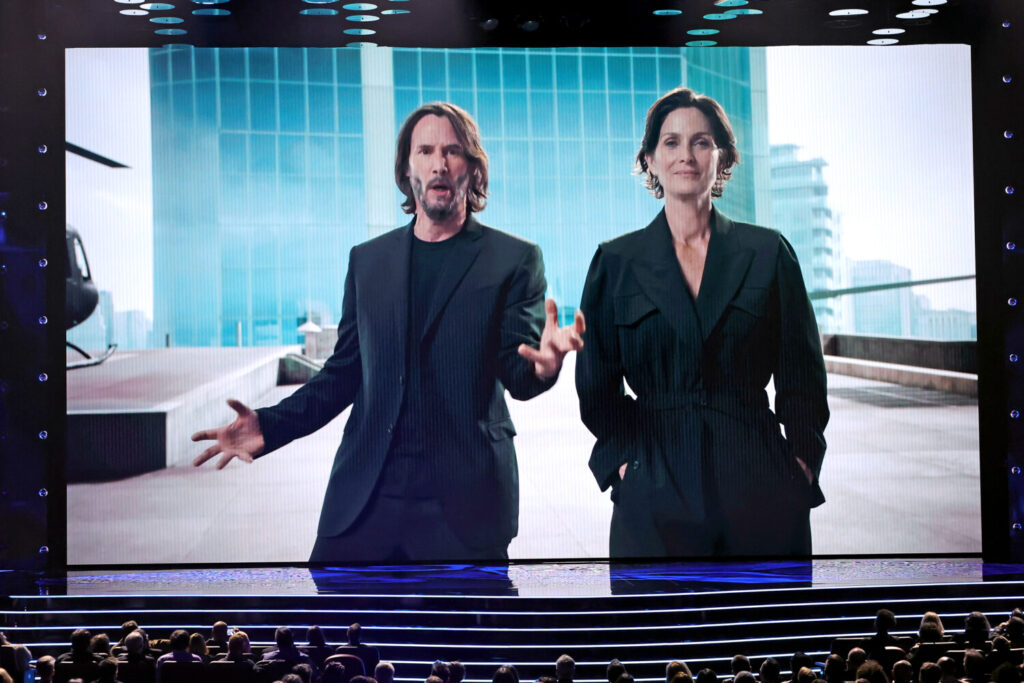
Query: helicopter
x=80, y=293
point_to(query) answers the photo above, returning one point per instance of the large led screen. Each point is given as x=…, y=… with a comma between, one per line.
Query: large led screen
x=214, y=197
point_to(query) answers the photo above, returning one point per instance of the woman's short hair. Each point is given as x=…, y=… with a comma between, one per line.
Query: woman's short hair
x=721, y=129
x=468, y=134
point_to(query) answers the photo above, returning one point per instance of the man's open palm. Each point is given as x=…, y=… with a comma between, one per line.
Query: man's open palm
x=241, y=439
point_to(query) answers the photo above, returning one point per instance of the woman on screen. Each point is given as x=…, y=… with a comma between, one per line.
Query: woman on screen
x=697, y=313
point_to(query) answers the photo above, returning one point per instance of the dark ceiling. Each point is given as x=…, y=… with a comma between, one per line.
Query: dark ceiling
x=534, y=23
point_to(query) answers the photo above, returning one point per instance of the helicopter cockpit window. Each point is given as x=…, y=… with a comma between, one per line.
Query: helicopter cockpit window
x=83, y=265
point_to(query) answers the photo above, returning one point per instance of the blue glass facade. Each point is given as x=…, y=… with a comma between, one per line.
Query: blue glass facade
x=257, y=190
x=259, y=182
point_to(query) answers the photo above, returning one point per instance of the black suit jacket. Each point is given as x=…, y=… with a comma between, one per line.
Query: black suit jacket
x=488, y=301
x=699, y=369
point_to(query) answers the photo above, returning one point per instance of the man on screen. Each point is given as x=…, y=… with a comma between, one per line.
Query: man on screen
x=439, y=318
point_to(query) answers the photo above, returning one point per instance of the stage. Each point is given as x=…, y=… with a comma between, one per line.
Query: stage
x=526, y=614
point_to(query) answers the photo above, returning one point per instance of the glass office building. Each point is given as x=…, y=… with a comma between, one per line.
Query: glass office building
x=270, y=164
x=802, y=213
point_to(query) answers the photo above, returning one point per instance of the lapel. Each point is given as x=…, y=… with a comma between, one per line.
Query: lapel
x=659, y=276
x=395, y=289
x=661, y=279
x=466, y=249
x=724, y=269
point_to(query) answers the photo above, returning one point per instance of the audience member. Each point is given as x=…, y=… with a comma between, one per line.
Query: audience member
x=834, y=671
x=737, y=664
x=317, y=647
x=45, y=668
x=798, y=661
x=1007, y=673
x=6, y=677
x=100, y=645
x=286, y=649
x=505, y=674
x=706, y=676
x=197, y=646
x=976, y=633
x=1001, y=652
x=565, y=669
x=22, y=659
x=748, y=677
x=334, y=672
x=674, y=667
x=236, y=653
x=974, y=666
x=135, y=662
x=179, y=651
x=291, y=678
x=305, y=672
x=108, y=671
x=359, y=678
x=127, y=627
x=441, y=670
x=614, y=670
x=1001, y=628
x=80, y=653
x=770, y=671
x=805, y=675
x=885, y=621
x=903, y=672
x=948, y=668
x=931, y=630
x=628, y=678
x=1013, y=630
x=367, y=653
x=929, y=673
x=457, y=668
x=219, y=636
x=384, y=672
x=854, y=658
x=430, y=679
x=872, y=672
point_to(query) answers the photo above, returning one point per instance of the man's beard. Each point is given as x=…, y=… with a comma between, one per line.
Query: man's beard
x=441, y=212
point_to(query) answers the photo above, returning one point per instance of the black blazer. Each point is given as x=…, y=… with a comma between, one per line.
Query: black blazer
x=488, y=301
x=699, y=368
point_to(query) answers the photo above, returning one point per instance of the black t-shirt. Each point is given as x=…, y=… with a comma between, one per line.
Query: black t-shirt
x=407, y=472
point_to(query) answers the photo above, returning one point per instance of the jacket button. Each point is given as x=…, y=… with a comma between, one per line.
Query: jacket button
x=391, y=428
x=636, y=464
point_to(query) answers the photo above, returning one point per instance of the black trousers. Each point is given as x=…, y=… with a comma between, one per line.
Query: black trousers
x=770, y=520
x=398, y=529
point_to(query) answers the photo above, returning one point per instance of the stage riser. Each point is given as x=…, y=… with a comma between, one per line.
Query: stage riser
x=645, y=631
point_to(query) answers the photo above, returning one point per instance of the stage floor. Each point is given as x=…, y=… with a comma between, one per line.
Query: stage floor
x=551, y=579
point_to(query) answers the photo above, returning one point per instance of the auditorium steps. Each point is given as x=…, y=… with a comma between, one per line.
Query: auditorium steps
x=645, y=622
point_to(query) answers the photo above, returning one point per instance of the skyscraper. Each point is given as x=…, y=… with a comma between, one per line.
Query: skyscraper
x=801, y=212
x=269, y=164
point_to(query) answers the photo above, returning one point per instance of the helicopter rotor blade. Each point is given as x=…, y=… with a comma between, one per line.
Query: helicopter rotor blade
x=92, y=156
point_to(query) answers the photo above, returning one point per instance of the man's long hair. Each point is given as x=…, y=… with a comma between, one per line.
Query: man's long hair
x=468, y=134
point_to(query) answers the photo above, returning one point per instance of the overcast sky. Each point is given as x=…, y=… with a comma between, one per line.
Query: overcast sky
x=894, y=125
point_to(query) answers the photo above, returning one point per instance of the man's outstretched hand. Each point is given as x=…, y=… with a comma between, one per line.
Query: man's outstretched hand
x=241, y=439
x=555, y=342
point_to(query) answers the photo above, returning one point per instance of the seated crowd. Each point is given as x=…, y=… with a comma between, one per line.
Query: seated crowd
x=978, y=654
